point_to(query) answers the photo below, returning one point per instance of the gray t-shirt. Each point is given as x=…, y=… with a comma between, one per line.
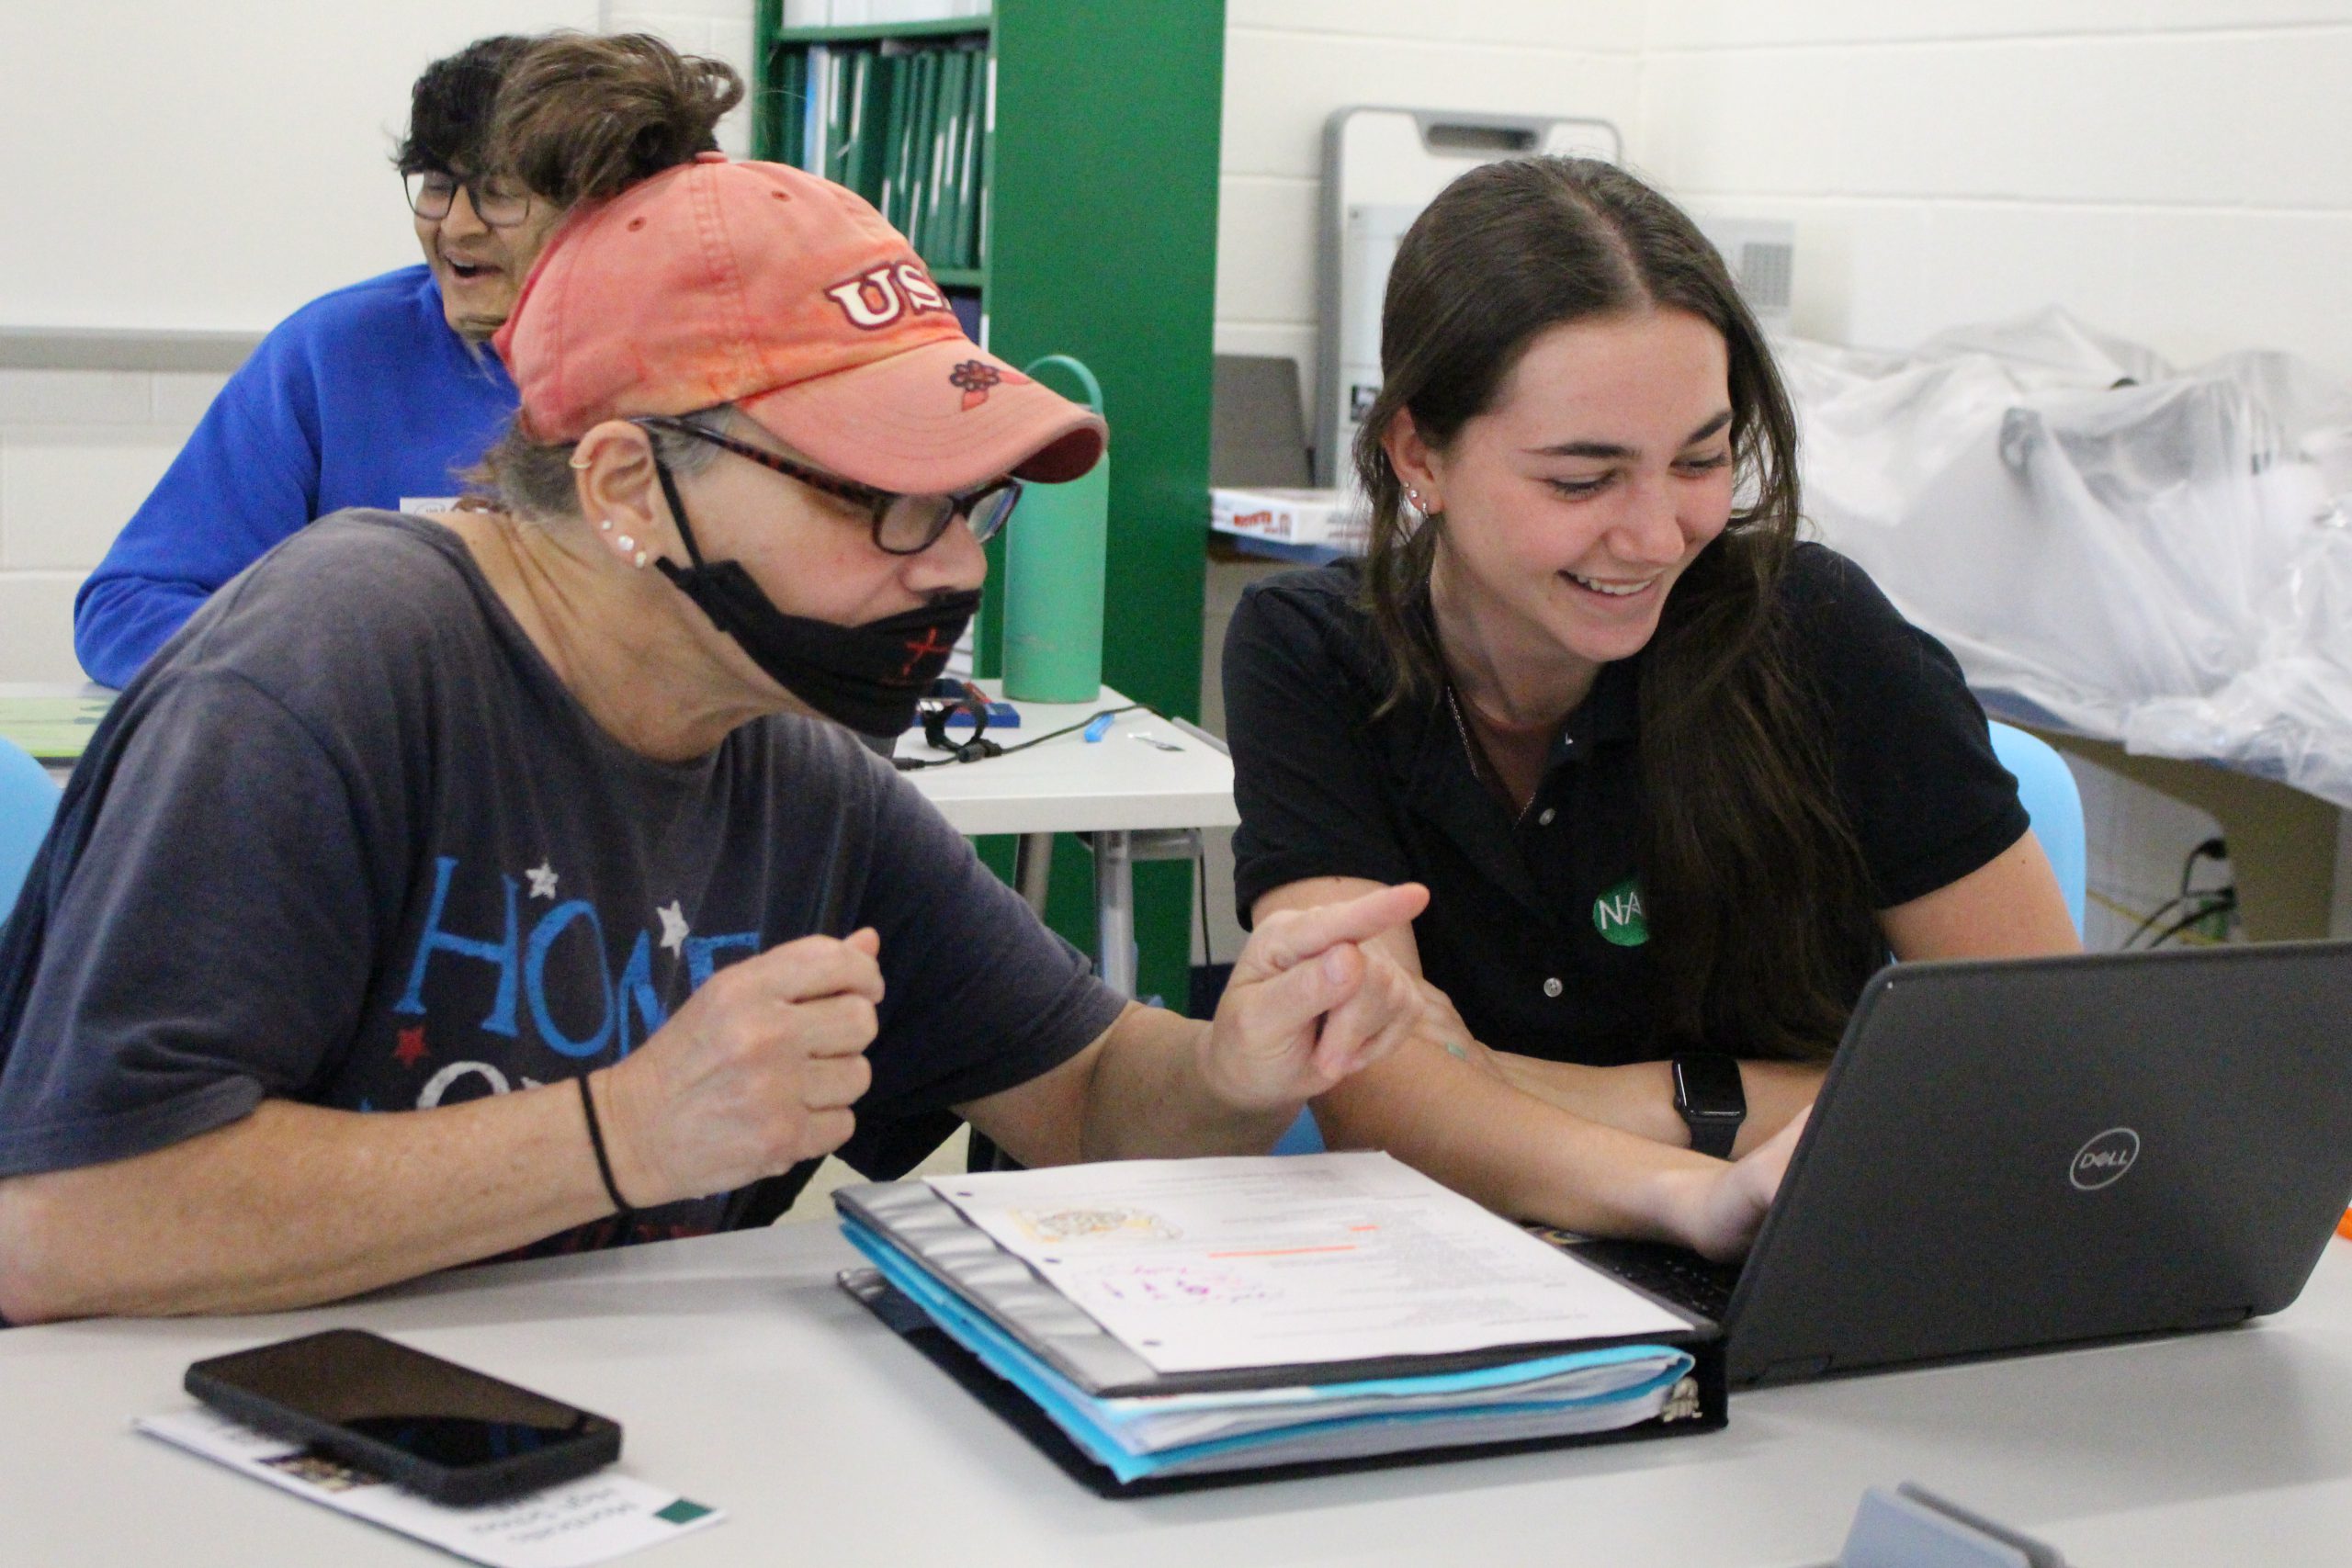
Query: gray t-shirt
x=349, y=842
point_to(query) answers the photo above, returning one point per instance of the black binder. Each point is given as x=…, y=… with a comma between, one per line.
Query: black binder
x=924, y=1233
x=1697, y=1404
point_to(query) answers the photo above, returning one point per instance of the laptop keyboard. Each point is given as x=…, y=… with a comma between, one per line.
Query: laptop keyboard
x=1682, y=1277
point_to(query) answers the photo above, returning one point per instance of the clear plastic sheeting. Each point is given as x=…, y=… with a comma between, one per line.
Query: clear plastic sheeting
x=2156, y=556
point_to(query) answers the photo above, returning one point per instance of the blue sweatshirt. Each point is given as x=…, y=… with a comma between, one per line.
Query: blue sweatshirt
x=364, y=397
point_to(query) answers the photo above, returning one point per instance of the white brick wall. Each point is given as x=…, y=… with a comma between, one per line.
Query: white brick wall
x=1288, y=64
x=2171, y=169
x=719, y=29
x=79, y=450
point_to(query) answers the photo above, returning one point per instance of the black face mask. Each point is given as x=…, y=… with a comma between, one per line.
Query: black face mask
x=866, y=677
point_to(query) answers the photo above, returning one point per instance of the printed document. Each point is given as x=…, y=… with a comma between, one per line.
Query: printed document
x=1201, y=1264
x=569, y=1525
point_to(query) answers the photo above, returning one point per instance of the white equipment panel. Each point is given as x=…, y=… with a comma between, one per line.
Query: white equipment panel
x=1381, y=166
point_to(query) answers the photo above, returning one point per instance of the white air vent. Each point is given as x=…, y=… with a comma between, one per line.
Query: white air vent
x=1761, y=254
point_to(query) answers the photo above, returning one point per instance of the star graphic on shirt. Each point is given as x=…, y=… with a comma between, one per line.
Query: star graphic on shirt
x=542, y=881
x=673, y=926
x=412, y=1049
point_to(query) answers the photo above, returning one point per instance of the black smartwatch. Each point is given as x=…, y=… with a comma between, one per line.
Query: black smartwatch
x=1712, y=1100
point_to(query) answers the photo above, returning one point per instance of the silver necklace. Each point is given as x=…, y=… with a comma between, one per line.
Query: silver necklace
x=1480, y=766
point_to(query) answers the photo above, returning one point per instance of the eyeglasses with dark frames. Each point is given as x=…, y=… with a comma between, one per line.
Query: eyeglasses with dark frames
x=499, y=203
x=902, y=525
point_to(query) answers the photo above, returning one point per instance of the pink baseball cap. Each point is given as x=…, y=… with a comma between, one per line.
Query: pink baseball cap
x=786, y=295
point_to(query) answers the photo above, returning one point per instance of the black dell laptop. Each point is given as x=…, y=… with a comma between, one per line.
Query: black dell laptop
x=2024, y=1154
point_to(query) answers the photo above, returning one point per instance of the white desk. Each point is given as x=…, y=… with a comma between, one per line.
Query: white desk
x=1112, y=789
x=745, y=1378
x=19, y=696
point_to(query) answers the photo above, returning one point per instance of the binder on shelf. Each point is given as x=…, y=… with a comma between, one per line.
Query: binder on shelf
x=1140, y=1360
x=926, y=149
x=902, y=122
x=890, y=191
x=790, y=120
x=938, y=236
x=971, y=121
x=873, y=127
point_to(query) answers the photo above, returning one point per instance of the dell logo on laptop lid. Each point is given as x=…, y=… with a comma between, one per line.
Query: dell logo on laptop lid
x=2103, y=1160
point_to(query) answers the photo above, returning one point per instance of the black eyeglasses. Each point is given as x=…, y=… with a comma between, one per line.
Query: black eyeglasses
x=500, y=203
x=903, y=524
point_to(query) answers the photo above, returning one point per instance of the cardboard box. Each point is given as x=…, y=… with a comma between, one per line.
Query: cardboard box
x=1334, y=518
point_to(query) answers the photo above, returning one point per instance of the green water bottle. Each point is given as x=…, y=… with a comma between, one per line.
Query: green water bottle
x=1053, y=577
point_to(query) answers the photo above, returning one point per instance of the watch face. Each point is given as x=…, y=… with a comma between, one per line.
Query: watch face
x=1708, y=1086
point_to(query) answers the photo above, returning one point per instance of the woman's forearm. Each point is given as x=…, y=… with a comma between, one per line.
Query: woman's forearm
x=296, y=1204
x=1638, y=1098
x=1514, y=1151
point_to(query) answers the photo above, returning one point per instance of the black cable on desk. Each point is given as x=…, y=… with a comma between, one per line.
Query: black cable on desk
x=990, y=749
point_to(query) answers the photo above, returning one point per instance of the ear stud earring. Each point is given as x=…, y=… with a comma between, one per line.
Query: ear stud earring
x=640, y=558
x=606, y=526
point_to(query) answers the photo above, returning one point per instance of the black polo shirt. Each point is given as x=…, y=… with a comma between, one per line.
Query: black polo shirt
x=1535, y=928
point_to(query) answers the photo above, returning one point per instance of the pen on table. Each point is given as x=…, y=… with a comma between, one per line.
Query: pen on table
x=1098, y=726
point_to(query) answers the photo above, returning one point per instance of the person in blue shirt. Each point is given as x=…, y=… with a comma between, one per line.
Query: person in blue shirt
x=375, y=395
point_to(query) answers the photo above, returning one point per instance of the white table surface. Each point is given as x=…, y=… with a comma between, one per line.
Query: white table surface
x=1066, y=786
x=745, y=1378
x=1069, y=785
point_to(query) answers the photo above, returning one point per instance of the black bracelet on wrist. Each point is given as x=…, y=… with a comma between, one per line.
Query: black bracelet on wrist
x=596, y=1142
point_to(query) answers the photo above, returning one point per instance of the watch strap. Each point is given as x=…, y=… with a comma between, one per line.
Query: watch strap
x=1712, y=1100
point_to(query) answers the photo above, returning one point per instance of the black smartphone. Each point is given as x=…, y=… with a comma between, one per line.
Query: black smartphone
x=449, y=1432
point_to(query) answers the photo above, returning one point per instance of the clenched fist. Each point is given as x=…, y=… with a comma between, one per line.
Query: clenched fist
x=756, y=1073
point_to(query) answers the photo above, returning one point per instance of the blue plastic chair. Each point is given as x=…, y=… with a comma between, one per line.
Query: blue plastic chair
x=1304, y=1137
x=27, y=802
x=2053, y=804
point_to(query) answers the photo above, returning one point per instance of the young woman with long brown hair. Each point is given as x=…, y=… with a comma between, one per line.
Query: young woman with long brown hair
x=1678, y=783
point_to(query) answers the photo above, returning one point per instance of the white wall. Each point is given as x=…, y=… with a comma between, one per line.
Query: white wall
x=2174, y=170
x=720, y=29
x=212, y=166
x=79, y=450
x=268, y=220
x=1288, y=64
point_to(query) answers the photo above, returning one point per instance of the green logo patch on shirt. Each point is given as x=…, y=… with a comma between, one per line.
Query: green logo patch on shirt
x=1617, y=914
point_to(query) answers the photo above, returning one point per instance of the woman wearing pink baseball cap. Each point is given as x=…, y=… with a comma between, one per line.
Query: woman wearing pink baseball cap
x=483, y=883
x=749, y=316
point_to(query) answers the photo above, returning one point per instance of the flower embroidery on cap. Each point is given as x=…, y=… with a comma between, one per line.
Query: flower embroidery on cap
x=976, y=376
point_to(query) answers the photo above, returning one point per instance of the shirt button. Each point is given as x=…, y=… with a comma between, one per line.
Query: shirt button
x=1552, y=986
x=1543, y=817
